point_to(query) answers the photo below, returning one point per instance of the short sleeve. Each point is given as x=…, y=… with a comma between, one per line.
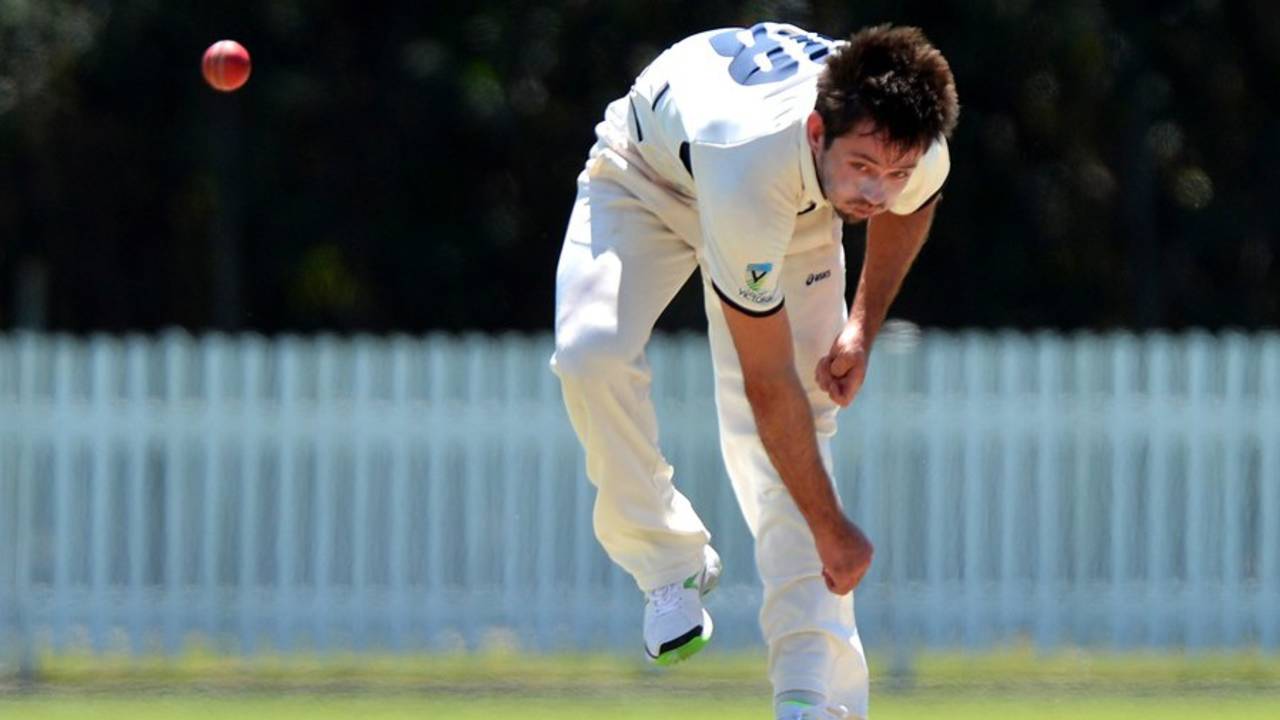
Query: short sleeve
x=747, y=204
x=926, y=180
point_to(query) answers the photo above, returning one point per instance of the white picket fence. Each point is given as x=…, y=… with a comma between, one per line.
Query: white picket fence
x=427, y=493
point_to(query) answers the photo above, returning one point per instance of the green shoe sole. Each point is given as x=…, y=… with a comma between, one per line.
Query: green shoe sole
x=684, y=652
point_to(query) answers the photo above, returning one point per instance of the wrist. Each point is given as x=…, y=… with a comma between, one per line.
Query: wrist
x=859, y=330
x=827, y=525
x=864, y=332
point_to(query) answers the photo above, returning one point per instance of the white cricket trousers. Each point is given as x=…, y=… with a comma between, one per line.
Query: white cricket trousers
x=631, y=243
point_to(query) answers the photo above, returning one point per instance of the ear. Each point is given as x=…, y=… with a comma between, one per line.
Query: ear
x=813, y=130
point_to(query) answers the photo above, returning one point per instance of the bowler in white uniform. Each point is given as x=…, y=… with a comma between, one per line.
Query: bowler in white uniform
x=741, y=152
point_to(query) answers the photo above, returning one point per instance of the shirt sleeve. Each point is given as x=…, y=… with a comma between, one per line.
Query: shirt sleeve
x=746, y=203
x=926, y=180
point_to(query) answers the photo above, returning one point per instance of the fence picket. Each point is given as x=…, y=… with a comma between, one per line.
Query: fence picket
x=101, y=353
x=1268, y=606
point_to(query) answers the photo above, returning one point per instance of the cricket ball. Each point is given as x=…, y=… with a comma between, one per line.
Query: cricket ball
x=226, y=65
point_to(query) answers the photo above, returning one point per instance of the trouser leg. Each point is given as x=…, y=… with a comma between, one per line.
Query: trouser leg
x=811, y=634
x=619, y=267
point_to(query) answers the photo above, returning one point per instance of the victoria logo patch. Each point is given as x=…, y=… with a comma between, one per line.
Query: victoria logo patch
x=756, y=273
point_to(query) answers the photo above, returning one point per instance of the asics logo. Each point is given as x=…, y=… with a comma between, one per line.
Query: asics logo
x=817, y=277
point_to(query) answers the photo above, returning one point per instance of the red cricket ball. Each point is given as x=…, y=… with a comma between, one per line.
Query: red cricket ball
x=226, y=65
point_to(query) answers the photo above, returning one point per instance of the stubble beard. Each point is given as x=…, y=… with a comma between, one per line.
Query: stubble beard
x=821, y=171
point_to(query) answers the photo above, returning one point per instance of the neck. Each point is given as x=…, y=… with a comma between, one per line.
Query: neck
x=817, y=171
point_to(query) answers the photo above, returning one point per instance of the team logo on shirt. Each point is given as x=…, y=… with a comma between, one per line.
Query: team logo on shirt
x=755, y=290
x=756, y=273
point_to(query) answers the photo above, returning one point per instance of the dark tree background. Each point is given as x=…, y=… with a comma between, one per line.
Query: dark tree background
x=409, y=166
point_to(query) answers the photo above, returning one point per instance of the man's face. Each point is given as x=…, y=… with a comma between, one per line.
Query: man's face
x=861, y=172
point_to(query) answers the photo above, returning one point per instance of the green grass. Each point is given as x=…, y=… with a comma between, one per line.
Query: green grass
x=887, y=707
x=727, y=672
x=1014, y=683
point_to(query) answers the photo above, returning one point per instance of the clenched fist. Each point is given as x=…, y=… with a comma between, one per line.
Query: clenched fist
x=846, y=556
x=841, y=372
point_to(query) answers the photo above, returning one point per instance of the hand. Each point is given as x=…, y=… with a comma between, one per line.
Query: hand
x=844, y=368
x=846, y=556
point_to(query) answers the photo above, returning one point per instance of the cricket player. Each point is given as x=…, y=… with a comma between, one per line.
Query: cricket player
x=740, y=152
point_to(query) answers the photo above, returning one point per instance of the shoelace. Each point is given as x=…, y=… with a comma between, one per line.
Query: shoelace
x=665, y=599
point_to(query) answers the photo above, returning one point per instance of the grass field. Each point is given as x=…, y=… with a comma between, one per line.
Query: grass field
x=894, y=706
x=534, y=707
x=1013, y=684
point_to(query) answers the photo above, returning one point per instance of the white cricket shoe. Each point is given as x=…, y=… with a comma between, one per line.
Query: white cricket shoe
x=675, y=624
x=802, y=711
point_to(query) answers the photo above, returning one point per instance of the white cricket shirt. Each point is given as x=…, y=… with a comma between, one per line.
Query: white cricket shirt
x=720, y=116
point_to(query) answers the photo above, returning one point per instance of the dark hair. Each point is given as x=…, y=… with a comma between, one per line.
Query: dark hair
x=893, y=77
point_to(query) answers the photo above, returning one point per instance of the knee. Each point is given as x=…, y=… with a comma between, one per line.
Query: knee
x=591, y=356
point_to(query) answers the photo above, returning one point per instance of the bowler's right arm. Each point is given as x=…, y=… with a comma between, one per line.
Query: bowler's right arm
x=784, y=420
